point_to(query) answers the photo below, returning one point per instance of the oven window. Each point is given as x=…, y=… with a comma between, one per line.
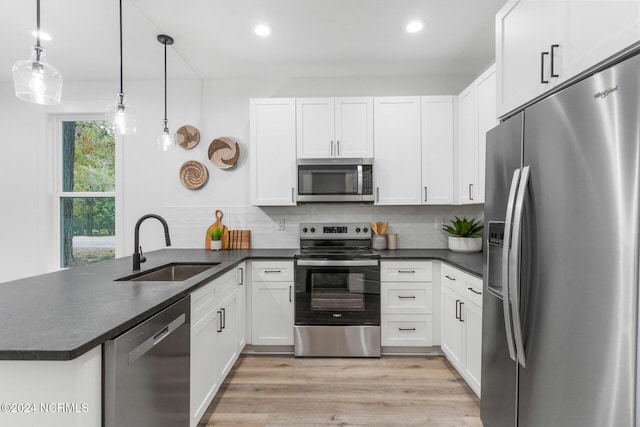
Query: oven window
x=337, y=291
x=327, y=180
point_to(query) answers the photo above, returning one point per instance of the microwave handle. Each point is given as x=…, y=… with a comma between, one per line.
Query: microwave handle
x=360, y=179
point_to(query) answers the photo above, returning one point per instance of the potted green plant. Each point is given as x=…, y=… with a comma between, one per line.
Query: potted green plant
x=465, y=234
x=216, y=238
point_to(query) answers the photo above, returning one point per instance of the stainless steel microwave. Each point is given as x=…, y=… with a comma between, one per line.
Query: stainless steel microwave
x=335, y=180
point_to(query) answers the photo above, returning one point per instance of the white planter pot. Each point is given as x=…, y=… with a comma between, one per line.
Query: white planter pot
x=216, y=245
x=465, y=244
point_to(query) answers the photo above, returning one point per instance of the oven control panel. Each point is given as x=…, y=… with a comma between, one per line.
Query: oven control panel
x=348, y=230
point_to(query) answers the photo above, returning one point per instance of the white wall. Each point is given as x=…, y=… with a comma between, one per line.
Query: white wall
x=150, y=178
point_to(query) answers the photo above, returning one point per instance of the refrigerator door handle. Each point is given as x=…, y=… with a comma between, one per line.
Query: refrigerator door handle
x=514, y=265
x=506, y=306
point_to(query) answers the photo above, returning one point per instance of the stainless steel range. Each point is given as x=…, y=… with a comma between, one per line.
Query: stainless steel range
x=337, y=298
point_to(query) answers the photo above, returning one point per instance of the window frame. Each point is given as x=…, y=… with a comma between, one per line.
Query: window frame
x=57, y=180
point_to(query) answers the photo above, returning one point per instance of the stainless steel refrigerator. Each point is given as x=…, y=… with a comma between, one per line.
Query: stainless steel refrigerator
x=560, y=308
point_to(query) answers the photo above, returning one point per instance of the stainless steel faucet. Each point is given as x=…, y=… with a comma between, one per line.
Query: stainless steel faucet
x=138, y=256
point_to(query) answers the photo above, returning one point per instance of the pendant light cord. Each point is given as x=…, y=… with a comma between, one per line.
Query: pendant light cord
x=38, y=47
x=121, y=74
x=165, y=84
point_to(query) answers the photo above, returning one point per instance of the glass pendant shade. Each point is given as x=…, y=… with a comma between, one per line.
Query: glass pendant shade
x=122, y=117
x=165, y=140
x=36, y=81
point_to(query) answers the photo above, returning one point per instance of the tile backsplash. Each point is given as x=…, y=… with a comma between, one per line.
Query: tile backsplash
x=417, y=227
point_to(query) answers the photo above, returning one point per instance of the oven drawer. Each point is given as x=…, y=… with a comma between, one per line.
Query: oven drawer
x=406, y=298
x=407, y=330
x=405, y=271
x=272, y=271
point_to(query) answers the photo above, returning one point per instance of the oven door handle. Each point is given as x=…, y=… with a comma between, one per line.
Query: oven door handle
x=336, y=263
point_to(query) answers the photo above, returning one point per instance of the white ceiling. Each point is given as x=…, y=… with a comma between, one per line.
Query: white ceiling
x=214, y=38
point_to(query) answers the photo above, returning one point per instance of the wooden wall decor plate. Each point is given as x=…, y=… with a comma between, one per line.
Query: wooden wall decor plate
x=187, y=137
x=193, y=174
x=224, y=152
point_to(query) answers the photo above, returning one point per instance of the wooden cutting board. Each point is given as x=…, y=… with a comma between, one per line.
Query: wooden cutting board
x=225, y=232
x=239, y=239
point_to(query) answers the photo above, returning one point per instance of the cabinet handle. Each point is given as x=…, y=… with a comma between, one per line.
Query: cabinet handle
x=406, y=329
x=553, y=52
x=425, y=194
x=289, y=293
x=406, y=271
x=219, y=321
x=404, y=297
x=273, y=271
x=338, y=148
x=224, y=318
x=458, y=315
x=293, y=195
x=331, y=142
x=377, y=194
x=470, y=191
x=542, y=80
x=449, y=277
x=461, y=304
x=474, y=291
x=241, y=276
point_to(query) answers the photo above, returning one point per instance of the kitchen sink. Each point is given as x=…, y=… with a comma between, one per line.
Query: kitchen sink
x=173, y=272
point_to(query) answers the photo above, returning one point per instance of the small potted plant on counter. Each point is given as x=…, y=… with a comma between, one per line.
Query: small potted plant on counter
x=216, y=239
x=465, y=235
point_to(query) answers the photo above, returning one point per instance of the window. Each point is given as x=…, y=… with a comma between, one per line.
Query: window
x=87, y=192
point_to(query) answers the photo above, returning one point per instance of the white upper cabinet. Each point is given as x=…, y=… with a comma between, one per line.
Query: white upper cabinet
x=334, y=127
x=273, y=151
x=477, y=114
x=541, y=43
x=437, y=150
x=398, y=159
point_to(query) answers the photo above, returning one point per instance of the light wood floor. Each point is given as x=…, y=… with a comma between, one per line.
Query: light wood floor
x=390, y=391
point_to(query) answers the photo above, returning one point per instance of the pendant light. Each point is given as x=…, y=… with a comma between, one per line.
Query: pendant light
x=121, y=117
x=165, y=140
x=34, y=80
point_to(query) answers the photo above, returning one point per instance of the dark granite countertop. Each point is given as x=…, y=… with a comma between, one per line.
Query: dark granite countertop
x=62, y=315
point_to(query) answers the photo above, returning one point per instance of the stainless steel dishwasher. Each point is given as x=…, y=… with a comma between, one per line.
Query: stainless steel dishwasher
x=146, y=372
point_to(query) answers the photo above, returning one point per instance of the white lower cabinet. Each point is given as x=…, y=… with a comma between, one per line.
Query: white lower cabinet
x=406, y=304
x=272, y=301
x=216, y=319
x=462, y=323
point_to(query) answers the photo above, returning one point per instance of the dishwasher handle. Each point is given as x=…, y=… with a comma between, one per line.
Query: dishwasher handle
x=154, y=340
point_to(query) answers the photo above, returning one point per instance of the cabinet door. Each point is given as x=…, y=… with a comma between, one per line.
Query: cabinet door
x=595, y=30
x=472, y=317
x=315, y=128
x=227, y=346
x=242, y=307
x=272, y=313
x=273, y=152
x=397, y=150
x=354, y=127
x=468, y=147
x=437, y=150
x=519, y=44
x=487, y=120
x=204, y=378
x=452, y=327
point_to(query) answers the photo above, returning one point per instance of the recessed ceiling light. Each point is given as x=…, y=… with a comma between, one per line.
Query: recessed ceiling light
x=43, y=36
x=262, y=30
x=414, y=26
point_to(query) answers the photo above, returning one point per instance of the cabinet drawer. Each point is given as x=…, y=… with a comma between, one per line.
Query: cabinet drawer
x=452, y=278
x=406, y=298
x=463, y=283
x=272, y=271
x=205, y=298
x=406, y=330
x=405, y=271
x=473, y=290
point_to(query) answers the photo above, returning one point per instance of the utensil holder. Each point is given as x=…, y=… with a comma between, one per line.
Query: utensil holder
x=379, y=242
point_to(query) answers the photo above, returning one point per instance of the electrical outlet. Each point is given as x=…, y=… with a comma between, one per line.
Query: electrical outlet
x=280, y=224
